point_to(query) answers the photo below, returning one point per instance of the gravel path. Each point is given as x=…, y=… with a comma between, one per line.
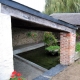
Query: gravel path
x=72, y=72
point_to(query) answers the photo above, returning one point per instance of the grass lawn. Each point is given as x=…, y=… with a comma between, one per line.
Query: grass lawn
x=78, y=46
x=41, y=57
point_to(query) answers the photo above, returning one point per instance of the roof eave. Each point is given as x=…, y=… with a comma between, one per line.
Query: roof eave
x=24, y=8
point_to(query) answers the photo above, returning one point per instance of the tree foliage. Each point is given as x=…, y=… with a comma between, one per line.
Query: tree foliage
x=62, y=6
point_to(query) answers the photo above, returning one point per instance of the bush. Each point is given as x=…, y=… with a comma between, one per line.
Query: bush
x=49, y=39
x=51, y=43
x=53, y=49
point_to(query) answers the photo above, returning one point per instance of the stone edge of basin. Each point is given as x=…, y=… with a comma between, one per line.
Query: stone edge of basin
x=50, y=73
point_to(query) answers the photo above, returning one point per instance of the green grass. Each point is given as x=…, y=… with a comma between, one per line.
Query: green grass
x=78, y=46
x=41, y=57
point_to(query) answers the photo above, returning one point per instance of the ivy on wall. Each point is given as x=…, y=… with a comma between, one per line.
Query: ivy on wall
x=32, y=35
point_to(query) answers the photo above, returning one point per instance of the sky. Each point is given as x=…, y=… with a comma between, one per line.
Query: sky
x=35, y=4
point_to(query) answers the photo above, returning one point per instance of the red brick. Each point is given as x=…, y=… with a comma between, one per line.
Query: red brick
x=67, y=48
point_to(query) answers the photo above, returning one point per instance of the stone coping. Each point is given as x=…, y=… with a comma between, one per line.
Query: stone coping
x=52, y=72
x=76, y=56
x=31, y=63
x=23, y=48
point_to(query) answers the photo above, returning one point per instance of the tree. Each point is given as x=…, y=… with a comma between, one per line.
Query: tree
x=62, y=6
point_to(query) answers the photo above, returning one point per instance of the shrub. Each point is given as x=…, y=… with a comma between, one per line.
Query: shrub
x=52, y=48
x=49, y=39
x=51, y=43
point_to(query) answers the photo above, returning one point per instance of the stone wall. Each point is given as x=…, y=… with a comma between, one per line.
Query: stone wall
x=27, y=68
x=20, y=36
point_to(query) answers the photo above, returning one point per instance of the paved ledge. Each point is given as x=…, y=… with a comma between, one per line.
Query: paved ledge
x=52, y=72
x=24, y=48
x=28, y=69
x=30, y=63
x=76, y=56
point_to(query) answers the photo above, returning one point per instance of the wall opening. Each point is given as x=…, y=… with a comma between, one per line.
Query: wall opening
x=21, y=37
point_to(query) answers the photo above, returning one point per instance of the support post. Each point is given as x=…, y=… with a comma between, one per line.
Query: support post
x=6, y=51
x=67, y=47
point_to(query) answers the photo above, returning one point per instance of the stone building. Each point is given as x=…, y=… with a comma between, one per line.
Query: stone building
x=13, y=14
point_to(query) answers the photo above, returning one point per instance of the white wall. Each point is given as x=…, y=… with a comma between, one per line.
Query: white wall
x=6, y=52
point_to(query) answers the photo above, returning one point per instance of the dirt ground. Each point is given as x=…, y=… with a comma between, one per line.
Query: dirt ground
x=72, y=72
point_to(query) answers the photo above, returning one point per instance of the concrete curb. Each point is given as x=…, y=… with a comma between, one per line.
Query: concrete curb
x=52, y=72
x=24, y=48
x=31, y=63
